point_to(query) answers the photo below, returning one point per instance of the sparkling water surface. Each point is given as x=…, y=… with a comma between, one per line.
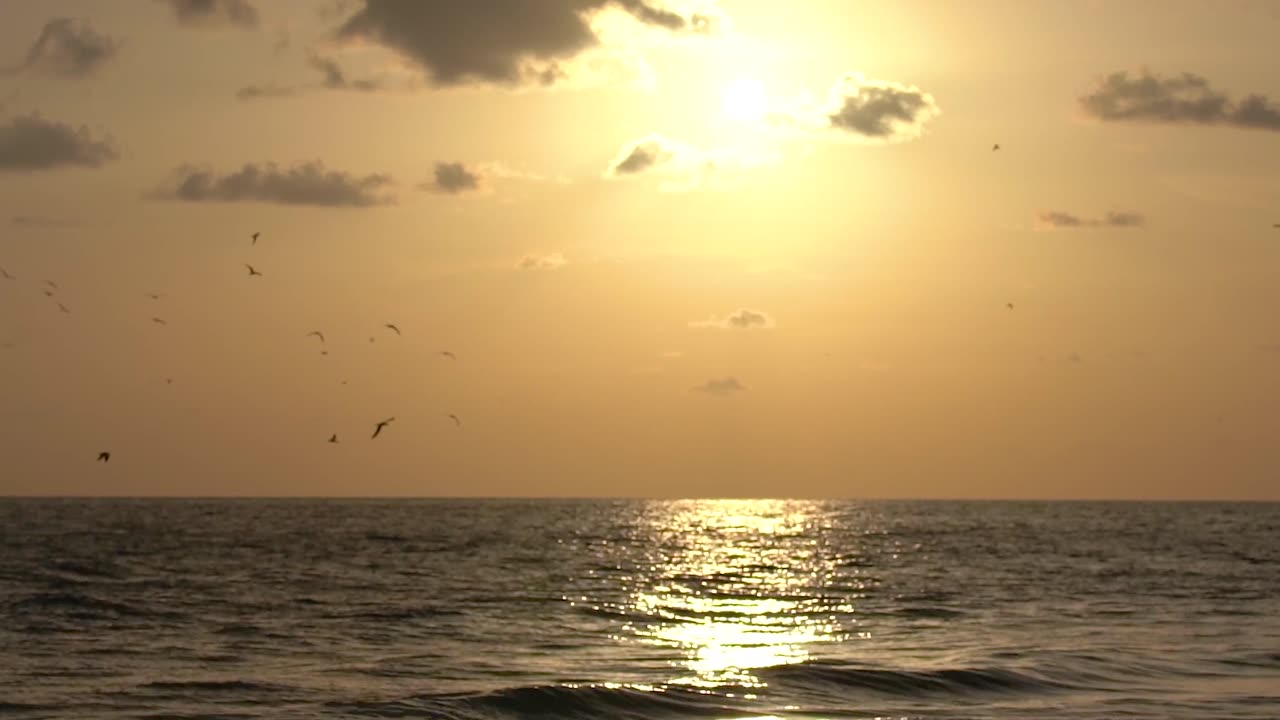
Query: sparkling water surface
x=463, y=609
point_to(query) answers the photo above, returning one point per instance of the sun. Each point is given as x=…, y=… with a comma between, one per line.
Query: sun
x=744, y=99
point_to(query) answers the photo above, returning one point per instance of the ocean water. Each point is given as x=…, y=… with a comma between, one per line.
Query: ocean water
x=637, y=609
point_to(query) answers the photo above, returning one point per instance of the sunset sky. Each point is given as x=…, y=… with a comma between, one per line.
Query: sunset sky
x=736, y=248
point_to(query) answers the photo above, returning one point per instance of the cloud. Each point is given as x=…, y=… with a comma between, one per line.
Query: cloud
x=29, y=143
x=1113, y=219
x=259, y=92
x=740, y=319
x=876, y=111
x=335, y=79
x=453, y=178
x=500, y=42
x=554, y=261
x=1180, y=99
x=68, y=47
x=303, y=184
x=238, y=13
x=683, y=166
x=721, y=388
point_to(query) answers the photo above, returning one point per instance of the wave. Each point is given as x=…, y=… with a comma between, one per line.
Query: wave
x=828, y=677
x=212, y=686
x=81, y=606
x=560, y=701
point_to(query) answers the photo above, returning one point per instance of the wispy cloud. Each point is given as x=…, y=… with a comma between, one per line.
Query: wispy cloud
x=682, y=166
x=740, y=319
x=863, y=110
x=308, y=183
x=453, y=178
x=1113, y=219
x=554, y=261
x=30, y=143
x=38, y=221
x=68, y=47
x=721, y=388
x=1186, y=99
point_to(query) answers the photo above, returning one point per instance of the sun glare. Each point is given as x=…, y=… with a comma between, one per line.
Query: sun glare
x=744, y=99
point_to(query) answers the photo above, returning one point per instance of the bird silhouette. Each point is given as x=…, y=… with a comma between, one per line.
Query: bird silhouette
x=154, y=296
x=317, y=333
x=378, y=430
x=158, y=321
x=252, y=271
x=333, y=438
x=48, y=293
x=51, y=284
x=104, y=456
x=455, y=419
x=255, y=238
x=392, y=326
x=995, y=147
x=1009, y=305
x=1274, y=225
x=168, y=381
x=64, y=308
x=5, y=274
x=448, y=354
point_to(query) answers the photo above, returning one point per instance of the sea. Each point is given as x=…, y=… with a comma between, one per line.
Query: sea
x=637, y=609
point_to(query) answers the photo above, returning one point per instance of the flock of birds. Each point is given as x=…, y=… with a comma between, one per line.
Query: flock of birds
x=51, y=288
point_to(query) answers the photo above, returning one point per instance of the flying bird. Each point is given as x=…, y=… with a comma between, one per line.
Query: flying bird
x=158, y=321
x=51, y=284
x=448, y=354
x=333, y=438
x=377, y=430
x=455, y=419
x=154, y=296
x=64, y=308
x=1274, y=225
x=252, y=271
x=317, y=333
x=104, y=456
x=255, y=238
x=995, y=147
x=5, y=274
x=392, y=326
x=1009, y=305
x=48, y=293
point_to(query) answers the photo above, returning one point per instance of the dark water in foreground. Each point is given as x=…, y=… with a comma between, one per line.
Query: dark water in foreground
x=637, y=609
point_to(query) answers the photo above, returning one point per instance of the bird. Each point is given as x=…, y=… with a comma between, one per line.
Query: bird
x=392, y=326
x=1009, y=305
x=5, y=274
x=64, y=308
x=255, y=238
x=317, y=333
x=158, y=321
x=324, y=352
x=1274, y=225
x=104, y=456
x=448, y=354
x=252, y=271
x=455, y=419
x=377, y=430
x=168, y=381
x=995, y=147
x=154, y=296
x=48, y=293
x=333, y=438
x=51, y=284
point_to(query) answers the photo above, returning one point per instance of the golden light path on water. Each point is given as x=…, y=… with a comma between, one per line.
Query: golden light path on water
x=737, y=588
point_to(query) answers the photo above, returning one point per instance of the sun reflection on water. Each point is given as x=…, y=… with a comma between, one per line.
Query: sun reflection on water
x=736, y=587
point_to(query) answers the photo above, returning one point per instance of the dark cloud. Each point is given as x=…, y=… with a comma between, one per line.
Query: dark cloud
x=304, y=184
x=260, y=92
x=29, y=143
x=1180, y=99
x=879, y=110
x=453, y=178
x=1112, y=219
x=740, y=319
x=554, y=261
x=503, y=42
x=641, y=155
x=239, y=13
x=335, y=79
x=723, y=387
x=68, y=47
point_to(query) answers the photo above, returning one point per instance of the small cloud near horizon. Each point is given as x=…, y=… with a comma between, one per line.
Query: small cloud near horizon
x=1113, y=219
x=309, y=183
x=29, y=143
x=212, y=13
x=37, y=221
x=740, y=319
x=553, y=261
x=721, y=388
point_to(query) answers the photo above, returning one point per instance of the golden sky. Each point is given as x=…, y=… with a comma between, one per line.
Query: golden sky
x=735, y=248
